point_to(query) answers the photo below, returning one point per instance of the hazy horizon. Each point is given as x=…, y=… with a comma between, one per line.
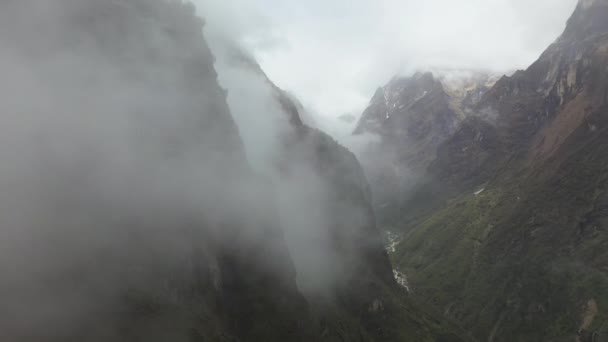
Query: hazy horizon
x=333, y=56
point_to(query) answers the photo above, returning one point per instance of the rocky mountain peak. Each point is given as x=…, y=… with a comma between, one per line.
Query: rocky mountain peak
x=395, y=100
x=460, y=90
x=415, y=114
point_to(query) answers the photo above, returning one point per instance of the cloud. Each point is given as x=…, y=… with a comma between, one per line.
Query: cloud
x=333, y=55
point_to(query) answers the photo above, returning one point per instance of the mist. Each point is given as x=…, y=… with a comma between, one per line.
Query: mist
x=127, y=172
x=304, y=194
x=253, y=104
x=122, y=170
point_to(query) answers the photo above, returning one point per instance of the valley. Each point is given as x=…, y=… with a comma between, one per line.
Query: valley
x=165, y=177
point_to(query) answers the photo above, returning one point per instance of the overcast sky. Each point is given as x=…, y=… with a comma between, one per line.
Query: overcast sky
x=333, y=54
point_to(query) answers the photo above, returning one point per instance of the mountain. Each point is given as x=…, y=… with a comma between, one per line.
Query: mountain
x=413, y=116
x=507, y=236
x=422, y=111
x=133, y=214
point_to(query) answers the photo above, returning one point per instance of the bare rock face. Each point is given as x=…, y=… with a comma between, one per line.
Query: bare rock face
x=394, y=99
x=562, y=88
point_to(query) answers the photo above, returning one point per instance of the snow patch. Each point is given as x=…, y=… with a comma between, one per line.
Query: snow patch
x=421, y=96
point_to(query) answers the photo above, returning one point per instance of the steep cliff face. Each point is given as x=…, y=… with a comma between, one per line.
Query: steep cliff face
x=413, y=116
x=130, y=212
x=518, y=252
x=567, y=76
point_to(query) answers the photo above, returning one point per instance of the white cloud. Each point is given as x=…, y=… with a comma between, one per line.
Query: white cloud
x=333, y=54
